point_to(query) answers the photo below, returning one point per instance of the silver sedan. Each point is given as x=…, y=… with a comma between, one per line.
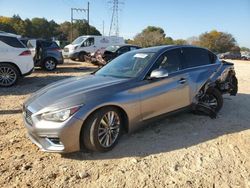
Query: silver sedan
x=93, y=111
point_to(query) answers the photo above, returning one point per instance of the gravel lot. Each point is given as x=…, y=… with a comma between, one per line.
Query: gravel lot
x=184, y=150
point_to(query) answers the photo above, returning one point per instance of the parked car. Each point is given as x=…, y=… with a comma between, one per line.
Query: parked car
x=112, y=52
x=15, y=60
x=93, y=111
x=88, y=44
x=231, y=55
x=246, y=56
x=46, y=54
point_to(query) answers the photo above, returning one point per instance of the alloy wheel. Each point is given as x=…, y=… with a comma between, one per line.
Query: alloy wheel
x=50, y=64
x=108, y=129
x=211, y=101
x=8, y=76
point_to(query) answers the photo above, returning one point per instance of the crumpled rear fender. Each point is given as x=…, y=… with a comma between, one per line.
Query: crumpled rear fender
x=221, y=78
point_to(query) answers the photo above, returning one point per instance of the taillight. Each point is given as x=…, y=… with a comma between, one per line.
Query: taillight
x=24, y=53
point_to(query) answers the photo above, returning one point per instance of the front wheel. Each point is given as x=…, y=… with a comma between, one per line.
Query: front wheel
x=102, y=130
x=81, y=56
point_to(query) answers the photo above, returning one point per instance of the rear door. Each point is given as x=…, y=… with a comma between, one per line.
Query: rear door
x=168, y=94
x=200, y=64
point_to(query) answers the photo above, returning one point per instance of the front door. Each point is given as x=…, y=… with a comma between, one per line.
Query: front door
x=167, y=94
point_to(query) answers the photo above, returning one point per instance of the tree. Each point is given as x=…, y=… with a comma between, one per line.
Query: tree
x=5, y=24
x=180, y=42
x=168, y=41
x=42, y=28
x=245, y=49
x=150, y=36
x=218, y=42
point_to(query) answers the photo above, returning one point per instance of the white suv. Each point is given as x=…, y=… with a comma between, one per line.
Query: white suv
x=15, y=60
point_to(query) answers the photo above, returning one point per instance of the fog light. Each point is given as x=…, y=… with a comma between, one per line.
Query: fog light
x=55, y=141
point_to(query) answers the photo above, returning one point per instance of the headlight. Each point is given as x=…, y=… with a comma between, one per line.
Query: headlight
x=61, y=115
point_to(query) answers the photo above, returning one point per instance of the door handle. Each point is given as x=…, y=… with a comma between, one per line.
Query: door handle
x=182, y=81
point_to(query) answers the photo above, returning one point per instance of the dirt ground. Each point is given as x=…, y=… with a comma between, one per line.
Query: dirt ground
x=184, y=150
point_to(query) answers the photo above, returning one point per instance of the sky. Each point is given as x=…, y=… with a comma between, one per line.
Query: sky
x=179, y=18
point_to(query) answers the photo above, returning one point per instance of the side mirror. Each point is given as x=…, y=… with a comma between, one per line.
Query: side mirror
x=159, y=73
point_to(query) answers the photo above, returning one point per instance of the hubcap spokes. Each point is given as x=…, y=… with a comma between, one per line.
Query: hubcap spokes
x=108, y=129
x=211, y=101
x=50, y=64
x=7, y=76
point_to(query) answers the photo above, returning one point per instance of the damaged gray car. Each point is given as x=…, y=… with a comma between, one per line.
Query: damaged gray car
x=93, y=111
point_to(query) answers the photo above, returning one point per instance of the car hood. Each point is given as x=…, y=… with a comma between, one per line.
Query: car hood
x=71, y=92
x=72, y=46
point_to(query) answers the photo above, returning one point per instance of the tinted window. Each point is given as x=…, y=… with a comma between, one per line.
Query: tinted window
x=133, y=48
x=48, y=44
x=45, y=44
x=88, y=42
x=123, y=50
x=11, y=41
x=196, y=57
x=212, y=57
x=170, y=60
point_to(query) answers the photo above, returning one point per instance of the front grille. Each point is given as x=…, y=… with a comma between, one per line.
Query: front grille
x=28, y=115
x=66, y=50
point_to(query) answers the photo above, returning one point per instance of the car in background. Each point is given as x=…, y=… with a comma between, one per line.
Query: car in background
x=230, y=55
x=245, y=56
x=46, y=54
x=92, y=111
x=15, y=60
x=112, y=52
x=89, y=44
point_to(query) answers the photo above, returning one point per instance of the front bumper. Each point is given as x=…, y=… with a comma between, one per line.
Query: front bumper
x=55, y=137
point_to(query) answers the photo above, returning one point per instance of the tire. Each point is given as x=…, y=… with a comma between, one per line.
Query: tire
x=213, y=93
x=81, y=56
x=89, y=135
x=49, y=64
x=9, y=75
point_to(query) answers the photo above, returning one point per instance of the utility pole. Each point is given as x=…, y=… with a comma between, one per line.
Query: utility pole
x=103, y=28
x=114, y=25
x=88, y=20
x=73, y=19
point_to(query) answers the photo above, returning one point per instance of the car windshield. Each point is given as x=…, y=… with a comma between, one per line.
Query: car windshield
x=112, y=48
x=79, y=40
x=128, y=65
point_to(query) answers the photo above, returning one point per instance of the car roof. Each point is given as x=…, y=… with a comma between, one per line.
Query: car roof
x=121, y=45
x=159, y=49
x=9, y=35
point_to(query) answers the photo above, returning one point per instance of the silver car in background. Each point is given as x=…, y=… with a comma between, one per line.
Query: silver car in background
x=93, y=111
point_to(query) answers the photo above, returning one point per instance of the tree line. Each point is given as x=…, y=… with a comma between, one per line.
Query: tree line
x=216, y=41
x=42, y=28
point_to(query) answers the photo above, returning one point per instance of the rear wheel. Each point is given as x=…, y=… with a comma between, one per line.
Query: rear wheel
x=213, y=98
x=49, y=64
x=8, y=75
x=81, y=56
x=102, y=130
